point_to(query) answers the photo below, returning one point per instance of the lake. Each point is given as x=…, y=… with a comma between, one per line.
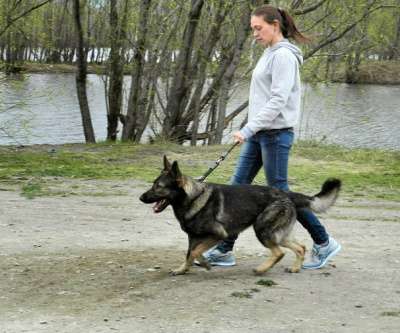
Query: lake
x=43, y=109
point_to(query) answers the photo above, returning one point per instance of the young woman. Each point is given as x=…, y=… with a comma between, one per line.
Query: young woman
x=274, y=108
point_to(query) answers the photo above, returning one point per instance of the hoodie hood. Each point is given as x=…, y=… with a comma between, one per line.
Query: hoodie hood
x=288, y=45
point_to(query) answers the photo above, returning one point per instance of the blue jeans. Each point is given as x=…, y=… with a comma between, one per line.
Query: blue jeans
x=270, y=150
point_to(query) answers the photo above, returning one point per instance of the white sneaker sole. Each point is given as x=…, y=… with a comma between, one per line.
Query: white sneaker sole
x=221, y=264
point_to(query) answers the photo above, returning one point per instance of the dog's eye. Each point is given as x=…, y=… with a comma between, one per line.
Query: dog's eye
x=161, y=185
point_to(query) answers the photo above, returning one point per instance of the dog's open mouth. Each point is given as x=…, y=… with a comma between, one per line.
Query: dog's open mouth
x=160, y=205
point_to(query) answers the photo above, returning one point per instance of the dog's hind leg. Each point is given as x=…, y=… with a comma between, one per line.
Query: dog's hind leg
x=299, y=251
x=277, y=255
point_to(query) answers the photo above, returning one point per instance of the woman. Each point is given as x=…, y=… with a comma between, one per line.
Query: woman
x=274, y=108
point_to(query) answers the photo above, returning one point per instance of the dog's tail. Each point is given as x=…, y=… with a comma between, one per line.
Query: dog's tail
x=320, y=202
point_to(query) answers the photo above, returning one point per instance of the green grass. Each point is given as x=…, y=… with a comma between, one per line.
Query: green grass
x=32, y=190
x=365, y=173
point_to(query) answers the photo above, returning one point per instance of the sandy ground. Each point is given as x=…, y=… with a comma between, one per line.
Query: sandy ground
x=85, y=263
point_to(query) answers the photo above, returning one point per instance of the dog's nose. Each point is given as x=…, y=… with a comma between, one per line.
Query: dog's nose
x=142, y=197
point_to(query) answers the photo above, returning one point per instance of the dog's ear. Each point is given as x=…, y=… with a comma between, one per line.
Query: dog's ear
x=176, y=173
x=167, y=165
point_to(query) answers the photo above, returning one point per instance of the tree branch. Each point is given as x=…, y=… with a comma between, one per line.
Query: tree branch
x=309, y=9
x=12, y=21
x=345, y=31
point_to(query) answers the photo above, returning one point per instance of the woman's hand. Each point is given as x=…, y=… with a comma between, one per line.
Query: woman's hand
x=238, y=137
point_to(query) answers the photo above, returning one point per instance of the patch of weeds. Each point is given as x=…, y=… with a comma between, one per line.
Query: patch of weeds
x=32, y=190
x=245, y=293
x=390, y=314
x=266, y=283
x=242, y=294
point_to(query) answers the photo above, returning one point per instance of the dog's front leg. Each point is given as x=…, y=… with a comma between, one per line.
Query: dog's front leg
x=195, y=251
x=188, y=262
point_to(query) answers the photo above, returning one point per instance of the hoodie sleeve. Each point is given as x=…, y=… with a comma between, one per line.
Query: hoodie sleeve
x=284, y=69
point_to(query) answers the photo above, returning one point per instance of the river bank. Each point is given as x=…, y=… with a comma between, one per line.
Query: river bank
x=371, y=72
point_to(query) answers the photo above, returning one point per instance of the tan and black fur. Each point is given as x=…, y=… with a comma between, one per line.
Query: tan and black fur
x=209, y=213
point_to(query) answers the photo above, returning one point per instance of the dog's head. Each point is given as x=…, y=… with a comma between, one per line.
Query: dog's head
x=167, y=187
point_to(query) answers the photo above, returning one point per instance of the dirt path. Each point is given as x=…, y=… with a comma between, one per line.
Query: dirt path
x=101, y=263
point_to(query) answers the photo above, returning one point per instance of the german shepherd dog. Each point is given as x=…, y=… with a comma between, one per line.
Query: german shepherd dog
x=209, y=213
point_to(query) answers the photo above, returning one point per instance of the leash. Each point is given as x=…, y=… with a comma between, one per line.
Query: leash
x=217, y=163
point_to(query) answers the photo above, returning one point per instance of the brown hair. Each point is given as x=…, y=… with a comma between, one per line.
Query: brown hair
x=286, y=22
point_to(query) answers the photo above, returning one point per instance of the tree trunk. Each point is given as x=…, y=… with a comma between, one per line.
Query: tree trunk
x=230, y=72
x=204, y=56
x=179, y=90
x=359, y=38
x=116, y=69
x=135, y=115
x=81, y=77
x=394, y=53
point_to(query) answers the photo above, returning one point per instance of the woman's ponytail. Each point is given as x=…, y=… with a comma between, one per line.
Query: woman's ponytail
x=271, y=14
x=289, y=29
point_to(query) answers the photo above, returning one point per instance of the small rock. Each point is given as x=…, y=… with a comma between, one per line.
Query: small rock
x=137, y=293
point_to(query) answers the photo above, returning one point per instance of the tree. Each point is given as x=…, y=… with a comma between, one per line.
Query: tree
x=134, y=118
x=81, y=76
x=116, y=67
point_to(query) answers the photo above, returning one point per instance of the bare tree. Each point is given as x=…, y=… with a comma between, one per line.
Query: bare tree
x=394, y=53
x=179, y=89
x=81, y=76
x=116, y=67
x=134, y=116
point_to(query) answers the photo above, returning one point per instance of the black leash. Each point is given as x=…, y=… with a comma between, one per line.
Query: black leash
x=217, y=163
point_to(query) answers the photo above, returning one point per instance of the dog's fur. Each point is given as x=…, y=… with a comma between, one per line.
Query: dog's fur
x=209, y=213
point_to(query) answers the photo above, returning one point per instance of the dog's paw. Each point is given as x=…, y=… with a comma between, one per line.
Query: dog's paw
x=204, y=263
x=258, y=272
x=292, y=270
x=178, y=271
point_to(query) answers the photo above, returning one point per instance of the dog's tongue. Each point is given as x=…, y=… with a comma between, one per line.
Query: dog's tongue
x=159, y=206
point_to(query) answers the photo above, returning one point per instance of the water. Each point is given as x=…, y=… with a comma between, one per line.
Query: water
x=43, y=108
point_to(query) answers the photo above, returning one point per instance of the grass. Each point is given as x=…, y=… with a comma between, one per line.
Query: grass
x=266, y=283
x=391, y=314
x=364, y=172
x=32, y=190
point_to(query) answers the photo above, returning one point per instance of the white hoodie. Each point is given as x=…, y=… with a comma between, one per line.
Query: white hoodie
x=274, y=99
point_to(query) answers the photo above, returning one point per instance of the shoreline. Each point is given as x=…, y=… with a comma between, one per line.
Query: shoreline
x=377, y=72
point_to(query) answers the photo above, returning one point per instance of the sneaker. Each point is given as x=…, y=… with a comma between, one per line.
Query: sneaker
x=218, y=258
x=321, y=254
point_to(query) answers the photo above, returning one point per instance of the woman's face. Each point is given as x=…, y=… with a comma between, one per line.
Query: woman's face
x=265, y=33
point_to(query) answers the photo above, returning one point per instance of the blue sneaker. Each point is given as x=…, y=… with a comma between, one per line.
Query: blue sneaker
x=321, y=254
x=216, y=257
